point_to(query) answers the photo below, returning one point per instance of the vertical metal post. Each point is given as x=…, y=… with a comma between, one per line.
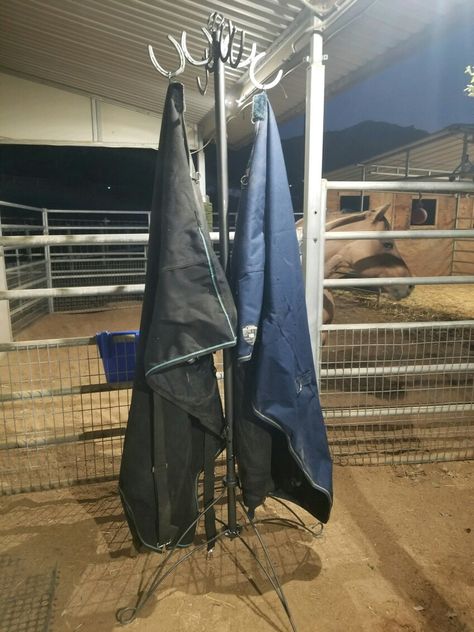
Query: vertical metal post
x=201, y=164
x=314, y=204
x=145, y=248
x=362, y=196
x=454, y=242
x=407, y=163
x=6, y=334
x=222, y=208
x=222, y=167
x=47, y=261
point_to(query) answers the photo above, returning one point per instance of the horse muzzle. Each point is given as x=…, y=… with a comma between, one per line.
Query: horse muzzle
x=398, y=292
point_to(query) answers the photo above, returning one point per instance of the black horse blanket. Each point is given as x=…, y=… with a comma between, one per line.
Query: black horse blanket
x=175, y=422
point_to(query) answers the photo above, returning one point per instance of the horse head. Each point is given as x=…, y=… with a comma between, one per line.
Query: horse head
x=366, y=258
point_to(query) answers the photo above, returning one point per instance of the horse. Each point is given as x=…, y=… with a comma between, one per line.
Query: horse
x=362, y=258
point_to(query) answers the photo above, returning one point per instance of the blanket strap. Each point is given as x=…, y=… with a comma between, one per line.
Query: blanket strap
x=208, y=495
x=166, y=531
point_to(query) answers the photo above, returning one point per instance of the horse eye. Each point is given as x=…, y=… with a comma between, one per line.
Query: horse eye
x=388, y=245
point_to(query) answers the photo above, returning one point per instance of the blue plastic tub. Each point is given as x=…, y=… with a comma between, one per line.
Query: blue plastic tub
x=117, y=350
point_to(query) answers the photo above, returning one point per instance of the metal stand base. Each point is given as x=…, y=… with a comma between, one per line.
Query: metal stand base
x=129, y=614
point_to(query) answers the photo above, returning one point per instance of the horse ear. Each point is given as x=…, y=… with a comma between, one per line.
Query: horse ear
x=378, y=213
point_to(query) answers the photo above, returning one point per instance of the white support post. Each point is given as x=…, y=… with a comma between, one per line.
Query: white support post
x=47, y=260
x=314, y=192
x=6, y=334
x=201, y=164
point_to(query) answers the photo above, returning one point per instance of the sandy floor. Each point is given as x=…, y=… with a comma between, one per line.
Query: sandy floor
x=456, y=300
x=115, y=317
x=435, y=302
x=397, y=555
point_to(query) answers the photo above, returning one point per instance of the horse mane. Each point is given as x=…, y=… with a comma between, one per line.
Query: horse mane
x=351, y=219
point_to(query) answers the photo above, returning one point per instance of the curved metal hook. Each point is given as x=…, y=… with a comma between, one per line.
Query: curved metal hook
x=211, y=63
x=249, y=59
x=206, y=57
x=227, y=41
x=207, y=34
x=253, y=79
x=202, y=89
x=159, y=67
x=215, y=21
x=235, y=62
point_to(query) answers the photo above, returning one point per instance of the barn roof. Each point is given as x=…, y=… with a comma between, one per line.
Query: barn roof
x=99, y=47
x=443, y=155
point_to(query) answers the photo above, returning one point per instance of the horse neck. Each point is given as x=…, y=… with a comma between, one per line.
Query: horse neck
x=338, y=260
x=347, y=222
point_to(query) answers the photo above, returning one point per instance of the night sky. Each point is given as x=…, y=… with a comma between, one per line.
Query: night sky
x=425, y=90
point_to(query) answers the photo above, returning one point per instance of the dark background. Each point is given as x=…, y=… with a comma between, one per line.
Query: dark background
x=122, y=179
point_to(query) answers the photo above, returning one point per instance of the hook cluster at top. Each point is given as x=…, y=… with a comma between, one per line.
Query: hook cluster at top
x=224, y=42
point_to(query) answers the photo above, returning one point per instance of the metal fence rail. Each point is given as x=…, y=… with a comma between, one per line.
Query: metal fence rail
x=392, y=393
x=58, y=258
x=24, y=268
x=63, y=423
x=399, y=393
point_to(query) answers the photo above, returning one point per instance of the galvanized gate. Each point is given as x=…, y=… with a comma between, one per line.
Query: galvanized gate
x=392, y=392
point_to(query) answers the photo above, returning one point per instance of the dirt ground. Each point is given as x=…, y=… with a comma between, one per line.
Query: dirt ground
x=435, y=302
x=396, y=555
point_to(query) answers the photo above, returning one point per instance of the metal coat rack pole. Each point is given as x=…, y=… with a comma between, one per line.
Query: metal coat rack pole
x=220, y=35
x=222, y=207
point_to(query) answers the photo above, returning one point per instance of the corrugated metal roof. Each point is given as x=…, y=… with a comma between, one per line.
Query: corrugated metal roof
x=435, y=156
x=99, y=46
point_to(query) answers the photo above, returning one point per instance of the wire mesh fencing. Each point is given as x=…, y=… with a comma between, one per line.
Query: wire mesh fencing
x=98, y=264
x=69, y=265
x=64, y=410
x=390, y=394
x=399, y=393
x=25, y=268
x=62, y=422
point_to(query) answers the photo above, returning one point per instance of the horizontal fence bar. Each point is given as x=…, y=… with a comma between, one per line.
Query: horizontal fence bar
x=32, y=282
x=25, y=345
x=413, y=369
x=73, y=240
x=21, y=308
x=358, y=282
x=435, y=324
x=80, y=341
x=138, y=288
x=94, y=290
x=13, y=255
x=27, y=441
x=80, y=389
x=391, y=427
x=24, y=266
x=97, y=227
x=38, y=241
x=131, y=213
x=28, y=208
x=397, y=185
x=336, y=413
x=84, y=274
x=399, y=234
x=22, y=227
x=93, y=258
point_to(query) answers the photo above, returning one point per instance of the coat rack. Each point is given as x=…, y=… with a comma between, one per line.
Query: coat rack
x=224, y=46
